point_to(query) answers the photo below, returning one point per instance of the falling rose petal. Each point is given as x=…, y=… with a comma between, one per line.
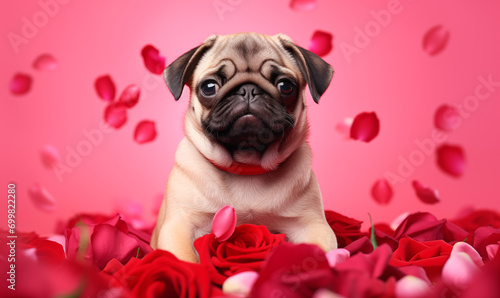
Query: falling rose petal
x=303, y=5
x=447, y=118
x=145, y=132
x=50, y=156
x=41, y=198
x=426, y=194
x=365, y=127
x=382, y=191
x=435, y=40
x=240, y=284
x=130, y=95
x=337, y=256
x=321, y=43
x=462, y=266
x=224, y=223
x=154, y=62
x=344, y=127
x=105, y=87
x=45, y=62
x=116, y=114
x=451, y=159
x=20, y=83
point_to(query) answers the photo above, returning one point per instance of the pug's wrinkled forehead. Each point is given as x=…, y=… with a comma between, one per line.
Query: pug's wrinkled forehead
x=252, y=58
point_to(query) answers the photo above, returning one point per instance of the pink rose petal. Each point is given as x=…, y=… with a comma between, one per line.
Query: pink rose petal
x=224, y=223
x=154, y=62
x=382, y=191
x=412, y=287
x=50, y=156
x=398, y=220
x=462, y=266
x=446, y=118
x=344, y=127
x=116, y=114
x=130, y=95
x=451, y=160
x=45, y=62
x=145, y=132
x=20, y=83
x=240, y=284
x=303, y=5
x=337, y=256
x=492, y=250
x=105, y=87
x=435, y=40
x=426, y=194
x=365, y=127
x=41, y=198
x=325, y=293
x=321, y=43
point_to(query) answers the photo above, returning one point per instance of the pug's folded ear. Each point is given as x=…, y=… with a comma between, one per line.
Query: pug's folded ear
x=178, y=73
x=315, y=70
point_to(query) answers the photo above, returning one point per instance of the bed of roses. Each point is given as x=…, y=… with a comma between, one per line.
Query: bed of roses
x=94, y=255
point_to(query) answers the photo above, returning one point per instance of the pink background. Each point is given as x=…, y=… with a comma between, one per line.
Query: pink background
x=392, y=76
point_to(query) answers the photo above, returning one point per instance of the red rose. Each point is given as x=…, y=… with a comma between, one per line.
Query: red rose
x=478, y=218
x=423, y=226
x=430, y=255
x=45, y=250
x=346, y=229
x=245, y=250
x=483, y=237
x=161, y=274
x=294, y=270
x=104, y=241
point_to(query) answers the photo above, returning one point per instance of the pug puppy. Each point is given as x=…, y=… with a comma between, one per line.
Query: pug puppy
x=245, y=141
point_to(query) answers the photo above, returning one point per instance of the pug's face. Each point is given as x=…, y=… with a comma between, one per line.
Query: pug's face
x=247, y=97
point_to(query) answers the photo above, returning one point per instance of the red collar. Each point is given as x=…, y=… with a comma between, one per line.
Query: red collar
x=242, y=169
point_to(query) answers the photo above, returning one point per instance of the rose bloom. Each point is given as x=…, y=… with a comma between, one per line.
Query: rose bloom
x=430, y=255
x=245, y=250
x=478, y=218
x=100, y=242
x=346, y=229
x=161, y=274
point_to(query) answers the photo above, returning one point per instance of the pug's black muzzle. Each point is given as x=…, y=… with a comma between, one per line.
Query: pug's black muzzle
x=248, y=118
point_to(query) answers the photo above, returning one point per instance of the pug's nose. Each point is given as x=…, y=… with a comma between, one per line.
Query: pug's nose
x=249, y=91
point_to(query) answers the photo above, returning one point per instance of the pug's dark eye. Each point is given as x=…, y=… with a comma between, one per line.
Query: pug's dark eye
x=209, y=88
x=285, y=86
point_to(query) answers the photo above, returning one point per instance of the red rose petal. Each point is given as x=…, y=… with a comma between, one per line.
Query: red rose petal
x=451, y=159
x=116, y=114
x=154, y=62
x=382, y=191
x=50, y=156
x=41, y=198
x=224, y=223
x=145, y=132
x=426, y=194
x=105, y=87
x=130, y=95
x=365, y=127
x=303, y=5
x=446, y=118
x=20, y=83
x=344, y=127
x=435, y=40
x=45, y=62
x=321, y=43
